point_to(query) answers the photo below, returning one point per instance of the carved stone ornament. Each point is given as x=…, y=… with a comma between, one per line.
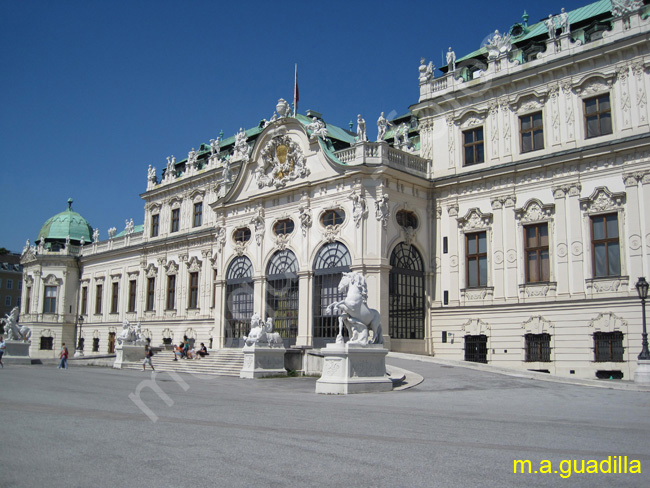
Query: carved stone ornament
x=359, y=208
x=151, y=271
x=408, y=233
x=382, y=210
x=194, y=265
x=331, y=233
x=594, y=86
x=498, y=45
x=621, y=8
x=52, y=280
x=304, y=214
x=171, y=268
x=534, y=211
x=475, y=219
x=538, y=325
x=602, y=200
x=472, y=121
x=220, y=238
x=240, y=248
x=475, y=327
x=281, y=161
x=281, y=241
x=608, y=322
x=258, y=222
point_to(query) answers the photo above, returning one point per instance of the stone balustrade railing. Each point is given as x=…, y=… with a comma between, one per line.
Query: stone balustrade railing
x=377, y=153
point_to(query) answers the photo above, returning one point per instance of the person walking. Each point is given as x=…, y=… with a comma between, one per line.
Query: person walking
x=63, y=356
x=147, y=358
x=3, y=346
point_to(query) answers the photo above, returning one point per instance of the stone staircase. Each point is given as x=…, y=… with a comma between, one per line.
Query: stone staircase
x=224, y=362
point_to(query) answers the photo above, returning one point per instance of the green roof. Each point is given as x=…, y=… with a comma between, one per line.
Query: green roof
x=538, y=29
x=64, y=224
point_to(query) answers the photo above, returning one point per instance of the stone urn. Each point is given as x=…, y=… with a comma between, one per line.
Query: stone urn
x=283, y=108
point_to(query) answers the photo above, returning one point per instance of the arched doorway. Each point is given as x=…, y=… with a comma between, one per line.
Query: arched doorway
x=406, y=293
x=239, y=300
x=282, y=294
x=331, y=262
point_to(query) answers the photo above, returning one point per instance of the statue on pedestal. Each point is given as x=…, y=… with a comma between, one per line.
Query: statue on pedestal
x=12, y=330
x=262, y=333
x=355, y=314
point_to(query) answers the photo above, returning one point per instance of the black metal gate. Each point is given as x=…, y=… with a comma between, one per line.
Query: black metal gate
x=239, y=300
x=406, y=293
x=476, y=348
x=282, y=295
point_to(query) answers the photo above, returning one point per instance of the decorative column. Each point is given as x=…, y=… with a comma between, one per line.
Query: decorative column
x=219, y=312
x=305, y=330
x=576, y=240
x=436, y=259
x=635, y=238
x=454, y=236
x=561, y=247
x=510, y=237
x=498, y=253
x=645, y=182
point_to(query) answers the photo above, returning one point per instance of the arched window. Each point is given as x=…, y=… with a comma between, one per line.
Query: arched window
x=282, y=294
x=239, y=298
x=331, y=262
x=406, y=293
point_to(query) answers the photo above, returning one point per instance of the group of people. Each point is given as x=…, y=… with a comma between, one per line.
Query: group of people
x=185, y=351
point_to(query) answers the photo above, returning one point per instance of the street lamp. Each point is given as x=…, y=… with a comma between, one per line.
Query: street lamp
x=80, y=342
x=642, y=290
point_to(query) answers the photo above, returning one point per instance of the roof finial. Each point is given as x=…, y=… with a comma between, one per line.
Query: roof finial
x=69, y=203
x=525, y=18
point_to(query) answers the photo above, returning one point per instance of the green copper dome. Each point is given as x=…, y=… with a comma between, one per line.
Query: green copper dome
x=64, y=224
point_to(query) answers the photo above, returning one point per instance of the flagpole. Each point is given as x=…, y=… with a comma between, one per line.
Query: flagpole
x=295, y=92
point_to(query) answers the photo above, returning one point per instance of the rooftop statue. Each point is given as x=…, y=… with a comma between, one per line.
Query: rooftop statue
x=426, y=71
x=361, y=129
x=111, y=232
x=317, y=128
x=451, y=60
x=625, y=7
x=95, y=235
x=215, y=146
x=262, y=333
x=354, y=313
x=401, y=136
x=151, y=174
x=551, y=27
x=498, y=45
x=382, y=124
x=12, y=330
x=563, y=22
x=241, y=146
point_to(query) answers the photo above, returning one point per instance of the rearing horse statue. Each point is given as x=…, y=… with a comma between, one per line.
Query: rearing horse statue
x=354, y=311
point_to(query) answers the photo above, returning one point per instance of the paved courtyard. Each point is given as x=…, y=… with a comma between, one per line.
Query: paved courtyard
x=459, y=428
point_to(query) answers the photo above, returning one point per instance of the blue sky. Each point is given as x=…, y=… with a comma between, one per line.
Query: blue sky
x=93, y=92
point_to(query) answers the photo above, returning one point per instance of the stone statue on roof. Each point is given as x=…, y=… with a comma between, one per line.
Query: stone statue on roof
x=317, y=128
x=551, y=27
x=215, y=147
x=451, y=60
x=241, y=146
x=426, y=71
x=498, y=45
x=382, y=124
x=151, y=175
x=361, y=129
x=563, y=21
x=95, y=235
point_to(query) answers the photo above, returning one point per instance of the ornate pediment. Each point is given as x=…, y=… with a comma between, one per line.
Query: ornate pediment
x=538, y=325
x=475, y=327
x=608, y=322
x=194, y=265
x=151, y=271
x=281, y=161
x=602, y=200
x=534, y=211
x=475, y=219
x=171, y=268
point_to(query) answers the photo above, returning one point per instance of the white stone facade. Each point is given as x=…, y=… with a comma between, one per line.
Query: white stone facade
x=472, y=173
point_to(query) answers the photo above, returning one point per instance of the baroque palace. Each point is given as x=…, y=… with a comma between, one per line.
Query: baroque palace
x=503, y=220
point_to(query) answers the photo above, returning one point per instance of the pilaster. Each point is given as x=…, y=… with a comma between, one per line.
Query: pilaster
x=561, y=239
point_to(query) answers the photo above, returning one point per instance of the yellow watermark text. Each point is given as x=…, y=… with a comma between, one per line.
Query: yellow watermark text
x=568, y=467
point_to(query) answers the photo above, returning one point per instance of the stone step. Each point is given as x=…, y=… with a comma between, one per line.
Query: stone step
x=227, y=362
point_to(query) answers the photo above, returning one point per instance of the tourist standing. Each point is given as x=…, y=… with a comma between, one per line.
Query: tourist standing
x=63, y=356
x=147, y=358
x=2, y=350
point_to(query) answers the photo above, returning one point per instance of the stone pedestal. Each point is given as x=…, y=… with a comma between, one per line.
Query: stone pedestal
x=17, y=352
x=262, y=360
x=642, y=373
x=353, y=369
x=127, y=354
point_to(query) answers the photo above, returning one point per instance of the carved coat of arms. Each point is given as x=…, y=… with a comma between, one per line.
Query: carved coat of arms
x=281, y=161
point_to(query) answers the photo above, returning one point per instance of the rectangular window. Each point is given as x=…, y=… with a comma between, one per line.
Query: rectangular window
x=198, y=214
x=155, y=222
x=532, y=132
x=476, y=348
x=132, y=290
x=606, y=255
x=20, y=285
x=10, y=284
x=8, y=301
x=28, y=304
x=50, y=300
x=194, y=290
x=151, y=293
x=115, y=297
x=536, y=252
x=476, y=259
x=176, y=217
x=98, y=298
x=538, y=348
x=171, y=292
x=473, y=146
x=608, y=346
x=84, y=300
x=598, y=116
x=47, y=343
x=214, y=288
x=96, y=344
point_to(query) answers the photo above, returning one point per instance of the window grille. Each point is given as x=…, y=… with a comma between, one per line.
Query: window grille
x=282, y=294
x=476, y=348
x=608, y=346
x=239, y=298
x=538, y=347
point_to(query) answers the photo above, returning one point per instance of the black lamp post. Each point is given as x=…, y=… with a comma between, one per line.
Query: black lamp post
x=80, y=342
x=642, y=289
